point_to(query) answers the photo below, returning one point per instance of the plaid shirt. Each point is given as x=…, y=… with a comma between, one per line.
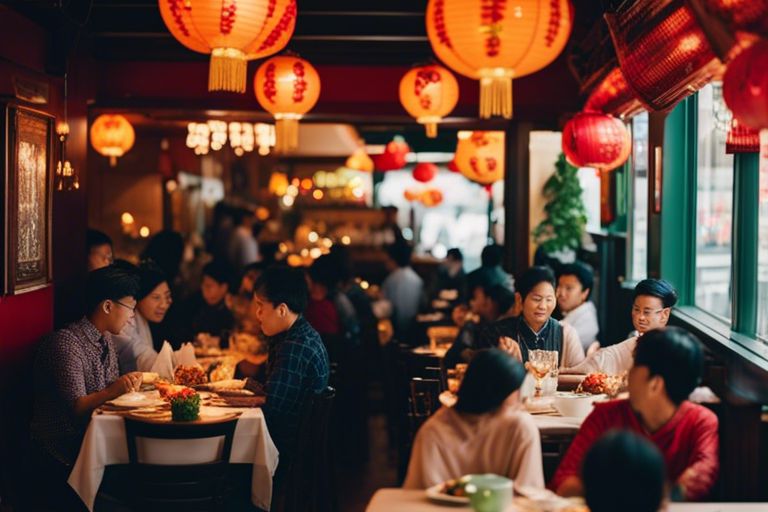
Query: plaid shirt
x=297, y=366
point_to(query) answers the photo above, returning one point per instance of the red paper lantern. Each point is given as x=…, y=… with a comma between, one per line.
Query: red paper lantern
x=424, y=172
x=393, y=157
x=596, y=140
x=745, y=86
x=742, y=139
x=452, y=166
x=613, y=96
x=749, y=15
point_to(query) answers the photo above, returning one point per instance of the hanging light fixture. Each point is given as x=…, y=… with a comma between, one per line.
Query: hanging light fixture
x=359, y=161
x=596, y=140
x=425, y=172
x=112, y=136
x=66, y=176
x=495, y=41
x=429, y=93
x=480, y=156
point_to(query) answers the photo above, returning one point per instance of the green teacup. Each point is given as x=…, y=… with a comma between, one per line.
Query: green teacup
x=489, y=493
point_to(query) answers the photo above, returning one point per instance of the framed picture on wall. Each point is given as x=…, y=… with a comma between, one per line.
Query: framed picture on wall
x=27, y=180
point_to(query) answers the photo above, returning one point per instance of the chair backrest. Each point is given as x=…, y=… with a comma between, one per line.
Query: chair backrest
x=424, y=397
x=186, y=487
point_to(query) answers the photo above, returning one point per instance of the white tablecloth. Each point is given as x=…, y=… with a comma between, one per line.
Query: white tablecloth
x=401, y=500
x=105, y=443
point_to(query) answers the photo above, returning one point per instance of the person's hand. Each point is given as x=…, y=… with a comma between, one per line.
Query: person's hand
x=511, y=347
x=459, y=315
x=125, y=384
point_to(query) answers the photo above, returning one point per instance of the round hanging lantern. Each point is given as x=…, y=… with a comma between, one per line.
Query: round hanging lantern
x=431, y=197
x=496, y=41
x=112, y=136
x=745, y=86
x=359, y=161
x=452, y=166
x=425, y=172
x=429, y=93
x=591, y=139
x=411, y=194
x=287, y=87
x=394, y=156
x=231, y=31
x=480, y=156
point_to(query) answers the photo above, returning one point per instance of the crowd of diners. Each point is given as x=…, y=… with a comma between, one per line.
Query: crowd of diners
x=627, y=455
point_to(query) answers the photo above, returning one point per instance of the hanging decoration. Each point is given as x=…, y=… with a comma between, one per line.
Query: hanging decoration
x=112, y=136
x=452, y=166
x=231, y=31
x=425, y=172
x=613, y=96
x=596, y=140
x=480, y=156
x=287, y=87
x=429, y=93
x=278, y=184
x=742, y=139
x=394, y=156
x=747, y=15
x=359, y=161
x=495, y=41
x=66, y=176
x=243, y=136
x=745, y=86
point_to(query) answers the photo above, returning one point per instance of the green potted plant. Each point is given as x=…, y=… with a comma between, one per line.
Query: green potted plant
x=185, y=405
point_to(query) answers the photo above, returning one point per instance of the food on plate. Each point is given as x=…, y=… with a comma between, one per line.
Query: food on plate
x=601, y=383
x=189, y=375
x=229, y=384
x=149, y=377
x=456, y=487
x=166, y=388
x=222, y=370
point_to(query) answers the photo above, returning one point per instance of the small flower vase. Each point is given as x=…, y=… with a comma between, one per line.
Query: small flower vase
x=185, y=405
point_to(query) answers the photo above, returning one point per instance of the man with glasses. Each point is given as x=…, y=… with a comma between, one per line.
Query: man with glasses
x=652, y=304
x=75, y=372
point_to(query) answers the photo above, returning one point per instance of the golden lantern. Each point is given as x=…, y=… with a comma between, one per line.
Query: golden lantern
x=359, y=161
x=480, y=156
x=278, y=184
x=112, y=135
x=497, y=41
x=287, y=86
x=232, y=31
x=429, y=93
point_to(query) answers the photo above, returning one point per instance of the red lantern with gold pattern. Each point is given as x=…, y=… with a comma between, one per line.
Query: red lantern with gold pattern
x=425, y=172
x=429, y=93
x=596, y=140
x=480, y=156
x=613, y=96
x=745, y=86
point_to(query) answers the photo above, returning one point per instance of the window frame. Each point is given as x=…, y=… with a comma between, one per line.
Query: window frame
x=632, y=200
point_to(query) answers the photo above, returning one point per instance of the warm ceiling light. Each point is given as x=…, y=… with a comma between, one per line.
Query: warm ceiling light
x=126, y=218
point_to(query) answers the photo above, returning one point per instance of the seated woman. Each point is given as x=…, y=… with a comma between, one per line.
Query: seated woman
x=134, y=347
x=489, y=303
x=486, y=432
x=535, y=328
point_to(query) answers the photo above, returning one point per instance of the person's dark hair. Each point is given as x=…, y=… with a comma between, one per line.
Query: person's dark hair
x=532, y=277
x=166, y=249
x=502, y=296
x=581, y=271
x=492, y=255
x=240, y=214
x=219, y=272
x=657, y=288
x=343, y=261
x=675, y=355
x=324, y=271
x=455, y=254
x=401, y=253
x=109, y=283
x=150, y=276
x=284, y=285
x=623, y=471
x=95, y=238
x=491, y=377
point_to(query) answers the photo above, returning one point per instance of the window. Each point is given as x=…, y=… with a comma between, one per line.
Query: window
x=714, y=198
x=762, y=251
x=638, y=228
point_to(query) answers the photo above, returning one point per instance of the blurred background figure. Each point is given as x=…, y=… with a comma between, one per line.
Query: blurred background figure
x=243, y=248
x=450, y=276
x=491, y=271
x=98, y=248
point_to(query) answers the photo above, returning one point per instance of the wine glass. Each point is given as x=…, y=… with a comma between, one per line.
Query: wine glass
x=539, y=365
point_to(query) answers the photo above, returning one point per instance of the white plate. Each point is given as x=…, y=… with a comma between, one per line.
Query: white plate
x=137, y=400
x=434, y=494
x=214, y=412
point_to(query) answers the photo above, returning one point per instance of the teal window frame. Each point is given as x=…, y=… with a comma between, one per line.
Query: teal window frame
x=678, y=238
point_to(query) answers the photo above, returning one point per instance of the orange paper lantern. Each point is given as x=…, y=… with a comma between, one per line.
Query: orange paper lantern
x=495, y=41
x=431, y=197
x=232, y=31
x=480, y=156
x=288, y=87
x=591, y=139
x=112, y=136
x=429, y=93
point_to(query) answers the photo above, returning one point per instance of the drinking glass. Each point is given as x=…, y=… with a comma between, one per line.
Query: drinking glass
x=540, y=364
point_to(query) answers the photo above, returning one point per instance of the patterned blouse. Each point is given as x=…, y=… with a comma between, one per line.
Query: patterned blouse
x=71, y=363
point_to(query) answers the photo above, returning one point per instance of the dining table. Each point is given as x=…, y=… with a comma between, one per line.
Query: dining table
x=105, y=444
x=410, y=500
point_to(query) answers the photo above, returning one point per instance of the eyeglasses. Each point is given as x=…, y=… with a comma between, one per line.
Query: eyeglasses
x=126, y=306
x=646, y=312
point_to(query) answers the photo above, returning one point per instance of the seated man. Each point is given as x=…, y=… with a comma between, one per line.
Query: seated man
x=668, y=366
x=623, y=471
x=297, y=365
x=574, y=285
x=76, y=371
x=651, y=307
x=207, y=310
x=403, y=288
x=486, y=432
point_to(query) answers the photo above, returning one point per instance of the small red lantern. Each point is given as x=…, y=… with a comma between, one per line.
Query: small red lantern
x=613, y=96
x=393, y=157
x=742, y=139
x=424, y=172
x=452, y=166
x=745, y=86
x=596, y=140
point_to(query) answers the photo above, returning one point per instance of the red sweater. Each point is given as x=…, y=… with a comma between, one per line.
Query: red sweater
x=688, y=442
x=322, y=315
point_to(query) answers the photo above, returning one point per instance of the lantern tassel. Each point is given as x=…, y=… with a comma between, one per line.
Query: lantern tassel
x=113, y=161
x=228, y=70
x=431, y=129
x=287, y=134
x=496, y=97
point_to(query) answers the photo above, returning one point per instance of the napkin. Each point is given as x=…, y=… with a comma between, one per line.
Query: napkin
x=163, y=364
x=186, y=355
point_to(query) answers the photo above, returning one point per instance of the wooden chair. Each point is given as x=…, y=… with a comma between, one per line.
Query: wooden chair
x=188, y=487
